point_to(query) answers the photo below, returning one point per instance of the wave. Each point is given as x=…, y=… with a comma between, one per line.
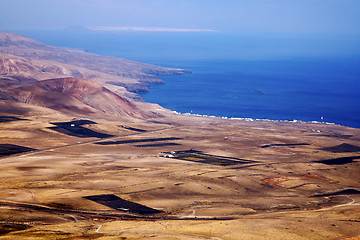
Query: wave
x=254, y=119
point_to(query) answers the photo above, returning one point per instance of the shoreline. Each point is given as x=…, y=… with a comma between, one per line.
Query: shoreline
x=153, y=74
x=158, y=96
x=258, y=119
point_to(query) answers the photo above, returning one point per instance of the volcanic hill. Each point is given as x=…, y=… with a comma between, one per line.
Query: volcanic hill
x=72, y=80
x=72, y=95
x=23, y=56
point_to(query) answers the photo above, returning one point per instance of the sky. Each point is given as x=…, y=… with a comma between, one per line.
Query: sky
x=324, y=17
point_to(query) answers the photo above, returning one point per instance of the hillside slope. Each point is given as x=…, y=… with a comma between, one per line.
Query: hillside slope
x=72, y=95
x=132, y=75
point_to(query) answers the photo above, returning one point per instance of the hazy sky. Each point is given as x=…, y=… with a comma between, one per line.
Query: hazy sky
x=330, y=17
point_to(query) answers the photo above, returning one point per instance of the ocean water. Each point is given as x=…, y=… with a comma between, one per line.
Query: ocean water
x=277, y=77
x=278, y=90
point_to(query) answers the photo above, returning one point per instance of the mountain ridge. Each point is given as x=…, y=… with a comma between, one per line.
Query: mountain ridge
x=119, y=72
x=74, y=81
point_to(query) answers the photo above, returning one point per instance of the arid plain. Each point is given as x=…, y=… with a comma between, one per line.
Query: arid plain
x=148, y=173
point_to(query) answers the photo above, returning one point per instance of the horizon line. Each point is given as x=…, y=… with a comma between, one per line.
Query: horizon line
x=149, y=29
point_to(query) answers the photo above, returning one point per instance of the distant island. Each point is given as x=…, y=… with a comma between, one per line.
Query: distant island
x=77, y=29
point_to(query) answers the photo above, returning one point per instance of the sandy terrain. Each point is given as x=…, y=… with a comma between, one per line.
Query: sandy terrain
x=277, y=193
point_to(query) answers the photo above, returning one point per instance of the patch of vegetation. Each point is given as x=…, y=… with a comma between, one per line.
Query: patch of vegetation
x=198, y=156
x=10, y=119
x=341, y=192
x=284, y=145
x=74, y=128
x=11, y=149
x=342, y=148
x=11, y=227
x=339, y=161
x=158, y=145
x=113, y=201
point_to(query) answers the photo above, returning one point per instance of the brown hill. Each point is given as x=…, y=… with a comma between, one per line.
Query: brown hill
x=26, y=65
x=67, y=62
x=15, y=71
x=72, y=95
x=14, y=65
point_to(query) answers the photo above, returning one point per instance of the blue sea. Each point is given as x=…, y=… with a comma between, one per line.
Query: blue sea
x=260, y=76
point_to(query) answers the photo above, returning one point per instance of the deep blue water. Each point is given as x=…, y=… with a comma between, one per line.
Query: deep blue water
x=281, y=90
x=274, y=77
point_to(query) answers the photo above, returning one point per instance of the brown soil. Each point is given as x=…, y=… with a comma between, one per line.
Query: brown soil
x=282, y=193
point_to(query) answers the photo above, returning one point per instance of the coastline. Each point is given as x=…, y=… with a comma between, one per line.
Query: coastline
x=339, y=108
x=247, y=93
x=259, y=119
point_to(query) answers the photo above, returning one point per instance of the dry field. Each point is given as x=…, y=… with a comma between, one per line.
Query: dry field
x=276, y=185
